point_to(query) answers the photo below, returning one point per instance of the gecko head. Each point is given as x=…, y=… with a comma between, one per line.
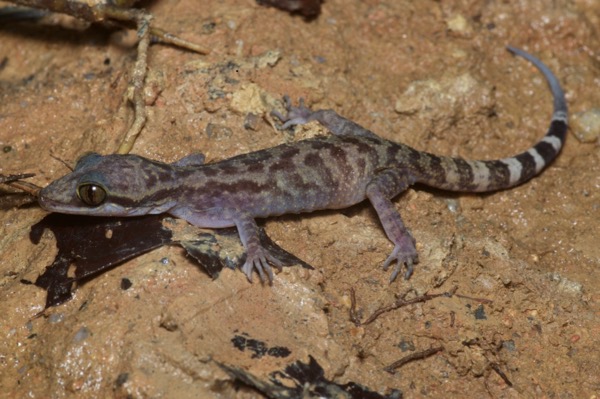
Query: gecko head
x=111, y=185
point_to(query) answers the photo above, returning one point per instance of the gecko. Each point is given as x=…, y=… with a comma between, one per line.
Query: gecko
x=333, y=171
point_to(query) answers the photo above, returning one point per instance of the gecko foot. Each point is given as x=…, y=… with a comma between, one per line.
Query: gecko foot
x=259, y=260
x=404, y=253
x=295, y=115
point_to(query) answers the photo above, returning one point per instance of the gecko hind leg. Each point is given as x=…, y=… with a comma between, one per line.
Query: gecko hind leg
x=384, y=186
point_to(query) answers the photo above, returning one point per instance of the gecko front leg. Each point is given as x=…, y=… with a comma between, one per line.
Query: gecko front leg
x=257, y=257
x=337, y=124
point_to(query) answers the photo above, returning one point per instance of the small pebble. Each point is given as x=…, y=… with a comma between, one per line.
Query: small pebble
x=251, y=121
x=509, y=345
x=126, y=284
x=586, y=125
x=480, y=313
x=56, y=318
x=82, y=334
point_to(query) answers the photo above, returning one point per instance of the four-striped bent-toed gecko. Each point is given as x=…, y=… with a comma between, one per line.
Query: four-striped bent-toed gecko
x=330, y=172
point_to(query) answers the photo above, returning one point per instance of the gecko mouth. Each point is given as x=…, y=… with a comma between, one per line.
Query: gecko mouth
x=53, y=205
x=47, y=203
x=106, y=209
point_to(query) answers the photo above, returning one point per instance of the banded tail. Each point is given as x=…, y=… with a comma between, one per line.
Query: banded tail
x=457, y=174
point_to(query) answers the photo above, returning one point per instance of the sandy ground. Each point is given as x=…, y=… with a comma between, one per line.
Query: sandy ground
x=431, y=74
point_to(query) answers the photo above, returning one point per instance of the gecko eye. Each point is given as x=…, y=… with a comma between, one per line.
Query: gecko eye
x=91, y=194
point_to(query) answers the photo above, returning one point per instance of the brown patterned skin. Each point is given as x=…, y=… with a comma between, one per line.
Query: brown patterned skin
x=331, y=172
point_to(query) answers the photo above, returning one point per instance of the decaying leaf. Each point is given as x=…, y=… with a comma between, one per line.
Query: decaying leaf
x=94, y=245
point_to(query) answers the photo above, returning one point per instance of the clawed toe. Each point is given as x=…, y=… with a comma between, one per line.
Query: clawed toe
x=287, y=102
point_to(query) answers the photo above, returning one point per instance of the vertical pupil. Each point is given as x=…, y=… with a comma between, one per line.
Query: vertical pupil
x=92, y=193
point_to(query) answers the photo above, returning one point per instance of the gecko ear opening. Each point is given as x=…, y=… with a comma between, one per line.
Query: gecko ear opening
x=91, y=194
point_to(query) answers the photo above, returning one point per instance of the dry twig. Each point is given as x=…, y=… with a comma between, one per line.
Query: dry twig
x=414, y=356
x=401, y=302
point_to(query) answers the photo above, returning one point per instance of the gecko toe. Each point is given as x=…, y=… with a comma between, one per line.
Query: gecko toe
x=274, y=261
x=292, y=122
x=395, y=272
x=278, y=115
x=409, y=269
x=393, y=256
x=264, y=270
x=287, y=102
x=247, y=269
x=261, y=272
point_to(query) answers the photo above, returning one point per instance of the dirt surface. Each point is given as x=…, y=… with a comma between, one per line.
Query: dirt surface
x=434, y=75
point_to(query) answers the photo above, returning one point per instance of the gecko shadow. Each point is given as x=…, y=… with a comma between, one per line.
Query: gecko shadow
x=94, y=245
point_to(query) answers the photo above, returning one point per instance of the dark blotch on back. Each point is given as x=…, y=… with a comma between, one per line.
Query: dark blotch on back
x=414, y=156
x=311, y=160
x=281, y=165
x=288, y=151
x=315, y=161
x=256, y=168
x=361, y=164
x=363, y=144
